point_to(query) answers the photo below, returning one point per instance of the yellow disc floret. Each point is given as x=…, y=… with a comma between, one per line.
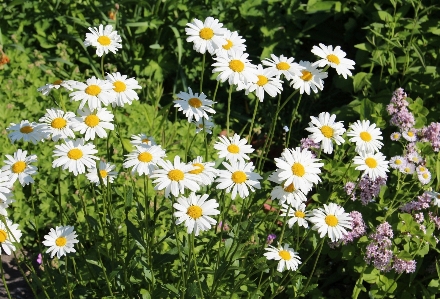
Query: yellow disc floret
x=26, y=129
x=306, y=75
x=285, y=255
x=371, y=162
x=176, y=175
x=119, y=86
x=236, y=65
x=18, y=167
x=199, y=168
x=298, y=169
x=104, y=40
x=91, y=120
x=75, y=154
x=92, y=90
x=61, y=241
x=194, y=212
x=206, y=33
x=58, y=123
x=282, y=66
x=3, y=236
x=333, y=58
x=331, y=220
x=262, y=80
x=195, y=102
x=327, y=131
x=239, y=177
x=228, y=45
x=145, y=157
x=233, y=149
x=365, y=136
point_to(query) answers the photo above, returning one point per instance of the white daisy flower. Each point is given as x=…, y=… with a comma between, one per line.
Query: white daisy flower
x=410, y=135
x=310, y=78
x=56, y=123
x=238, y=178
x=142, y=139
x=366, y=136
x=298, y=167
x=204, y=170
x=195, y=211
x=75, y=156
x=28, y=131
x=106, y=170
x=233, y=148
x=397, y=162
x=104, y=39
x=234, y=42
x=283, y=66
x=287, y=257
x=236, y=68
x=324, y=129
x=297, y=212
x=4, y=204
x=373, y=164
x=395, y=136
x=414, y=157
x=267, y=82
x=9, y=234
x=175, y=178
x=421, y=169
x=331, y=221
x=45, y=90
x=95, y=92
x=409, y=168
x=93, y=122
x=208, y=35
x=424, y=177
x=334, y=58
x=124, y=89
x=18, y=167
x=435, y=196
x=60, y=241
x=204, y=124
x=144, y=158
x=288, y=194
x=5, y=187
x=193, y=105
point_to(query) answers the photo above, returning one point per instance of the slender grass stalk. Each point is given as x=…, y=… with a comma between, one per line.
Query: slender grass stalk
x=253, y=120
x=215, y=91
x=192, y=249
x=229, y=110
x=67, y=278
x=104, y=271
x=205, y=140
x=102, y=66
x=203, y=72
x=59, y=196
x=314, y=267
x=292, y=118
x=4, y=281
x=179, y=251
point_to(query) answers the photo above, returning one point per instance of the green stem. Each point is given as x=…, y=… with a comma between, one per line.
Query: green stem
x=102, y=65
x=253, y=120
x=59, y=196
x=203, y=72
x=206, y=140
x=292, y=118
x=284, y=226
x=314, y=267
x=229, y=110
x=195, y=264
x=104, y=271
x=179, y=251
x=4, y=281
x=67, y=278
x=215, y=91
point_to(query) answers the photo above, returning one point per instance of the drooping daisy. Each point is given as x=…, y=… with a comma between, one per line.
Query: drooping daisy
x=4, y=204
x=95, y=92
x=175, y=178
x=93, y=122
x=236, y=68
x=366, y=136
x=397, y=162
x=208, y=35
x=296, y=212
x=5, y=187
x=124, y=89
x=204, y=124
x=331, y=220
x=424, y=177
x=204, y=170
x=298, y=167
x=106, y=170
x=288, y=194
x=193, y=105
x=195, y=211
x=104, y=39
x=395, y=136
x=19, y=167
x=9, y=234
x=56, y=123
x=75, y=156
x=28, y=131
x=238, y=178
x=324, y=129
x=233, y=148
x=142, y=139
x=56, y=84
x=283, y=66
x=373, y=164
x=144, y=158
x=410, y=135
x=310, y=78
x=267, y=82
x=234, y=42
x=334, y=58
x=435, y=196
x=287, y=257
x=60, y=241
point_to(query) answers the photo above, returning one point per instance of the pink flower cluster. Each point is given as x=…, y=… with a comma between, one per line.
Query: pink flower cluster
x=307, y=143
x=357, y=230
x=369, y=189
x=432, y=134
x=400, y=115
x=421, y=203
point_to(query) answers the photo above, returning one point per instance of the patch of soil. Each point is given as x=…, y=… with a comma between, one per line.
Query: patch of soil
x=17, y=286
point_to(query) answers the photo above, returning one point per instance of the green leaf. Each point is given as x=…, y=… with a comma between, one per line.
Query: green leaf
x=419, y=53
x=361, y=80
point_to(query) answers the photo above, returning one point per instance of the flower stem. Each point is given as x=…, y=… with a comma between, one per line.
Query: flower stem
x=195, y=264
x=229, y=111
x=203, y=72
x=253, y=119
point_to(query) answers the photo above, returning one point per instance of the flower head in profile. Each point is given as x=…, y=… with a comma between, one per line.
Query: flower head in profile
x=26, y=131
x=204, y=124
x=106, y=171
x=4, y=204
x=424, y=177
x=296, y=212
x=204, y=170
x=366, y=136
x=45, y=90
x=144, y=158
x=268, y=82
x=435, y=196
x=60, y=241
x=283, y=66
x=56, y=123
x=93, y=123
x=335, y=58
x=332, y=220
x=5, y=187
x=195, y=211
x=194, y=105
x=325, y=130
x=9, y=234
x=142, y=138
x=234, y=42
x=311, y=78
x=233, y=148
x=373, y=164
x=124, y=88
x=18, y=167
x=206, y=36
x=95, y=92
x=104, y=39
x=410, y=135
x=287, y=257
x=288, y=194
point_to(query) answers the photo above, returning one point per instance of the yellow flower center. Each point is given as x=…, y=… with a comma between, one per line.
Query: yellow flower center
x=92, y=120
x=201, y=126
x=298, y=169
x=228, y=45
x=199, y=168
x=176, y=175
x=206, y=33
x=57, y=82
x=300, y=214
x=425, y=175
x=282, y=66
x=410, y=134
x=331, y=220
x=438, y=196
x=145, y=157
x=194, y=212
x=421, y=169
x=104, y=40
x=239, y=177
x=307, y=76
x=93, y=90
x=327, y=131
x=236, y=65
x=3, y=236
x=398, y=162
x=119, y=86
x=103, y=173
x=371, y=162
x=290, y=188
x=58, y=123
x=262, y=80
x=18, y=167
x=396, y=136
x=333, y=58
x=233, y=149
x=406, y=169
x=61, y=241
x=75, y=154
x=365, y=136
x=26, y=129
x=145, y=140
x=285, y=255
x=195, y=102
